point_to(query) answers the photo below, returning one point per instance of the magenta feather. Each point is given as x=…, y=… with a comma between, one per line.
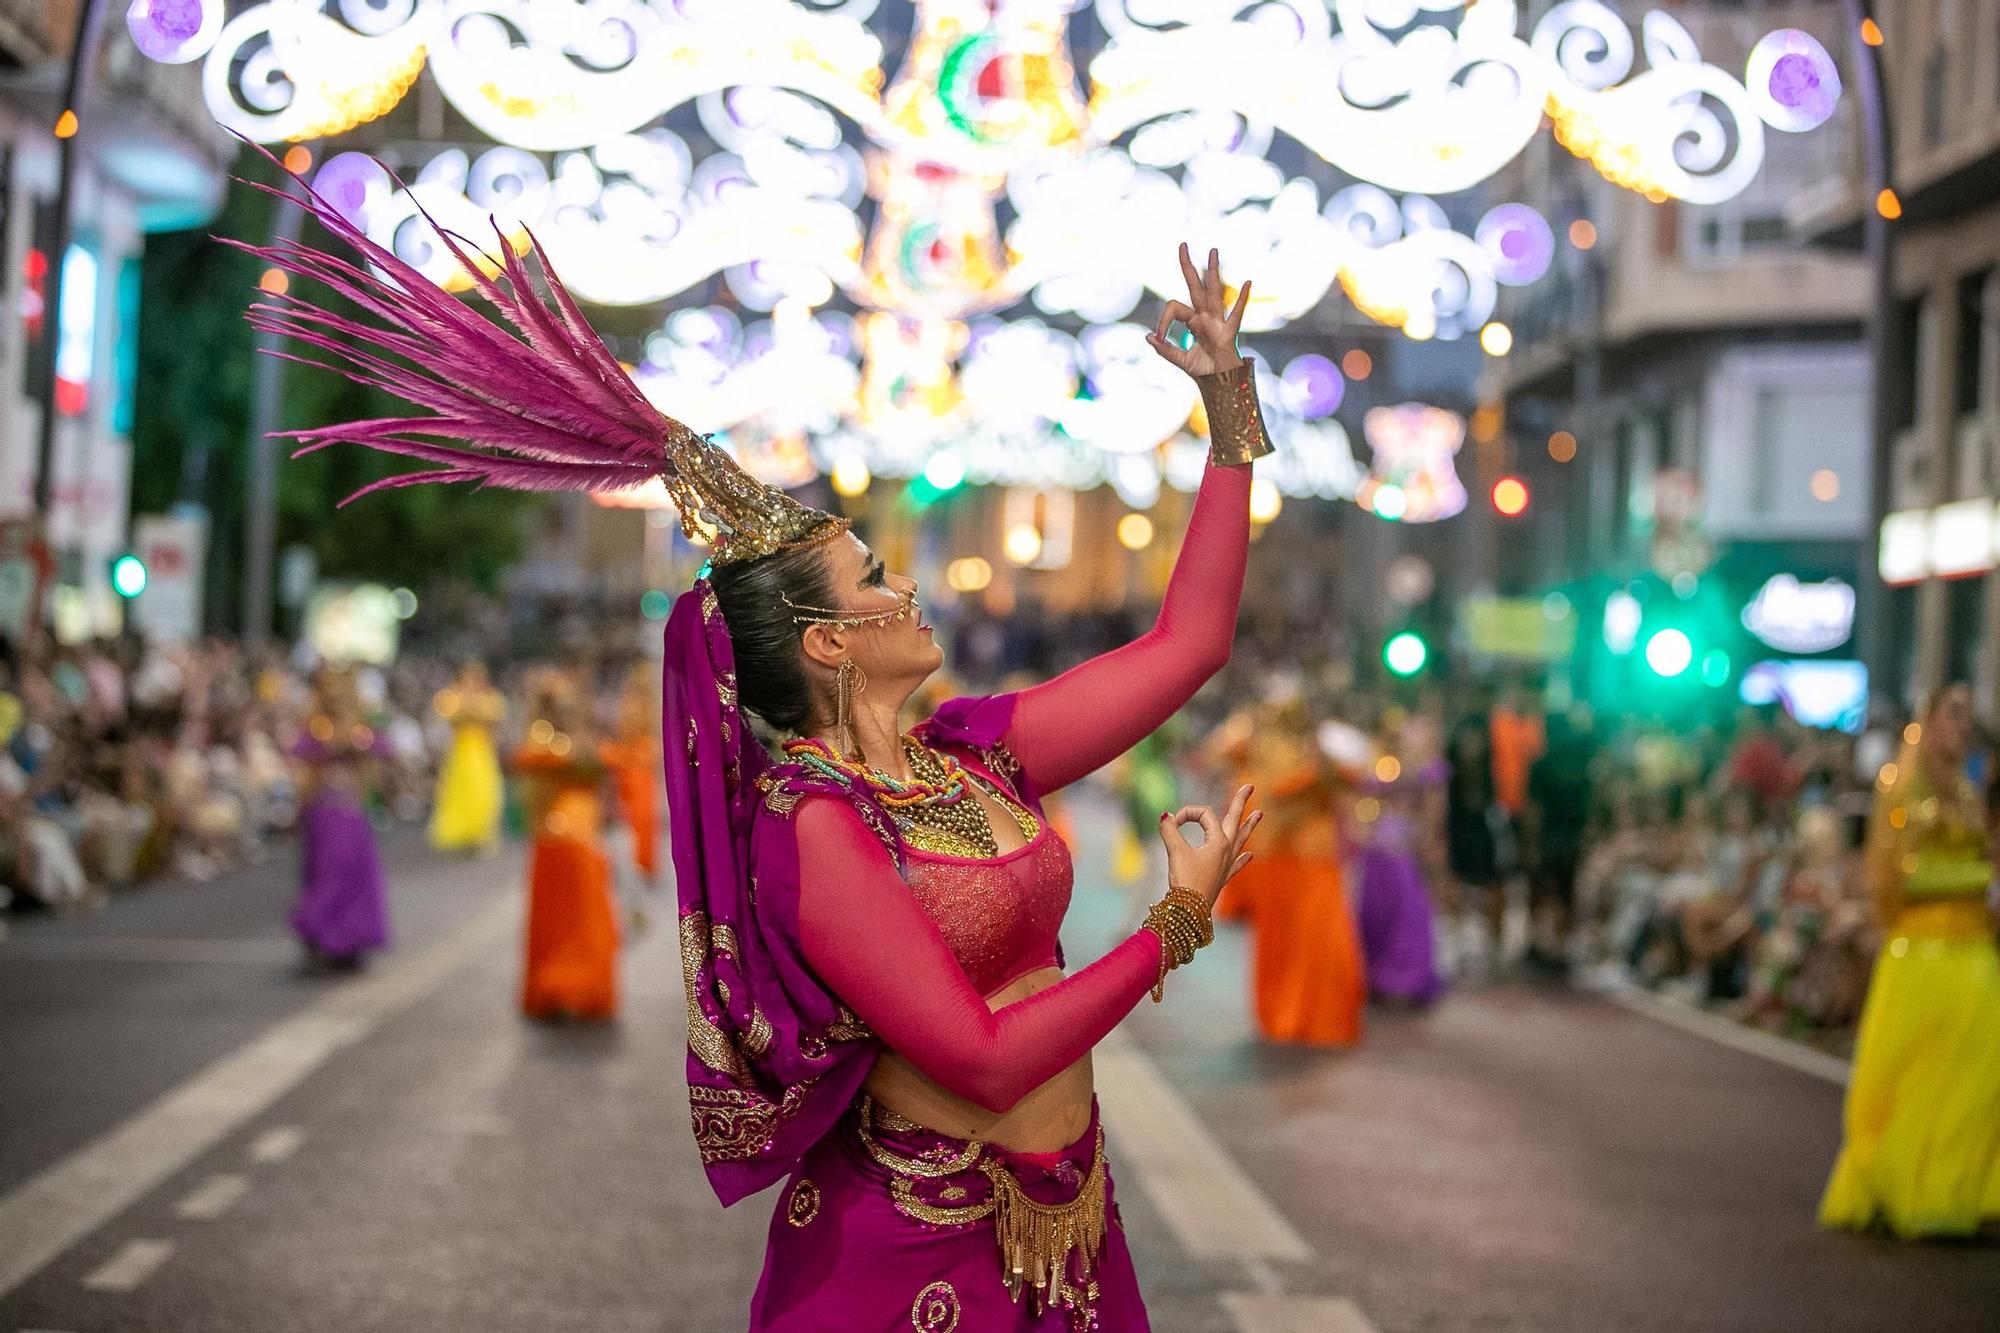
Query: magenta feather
x=548, y=410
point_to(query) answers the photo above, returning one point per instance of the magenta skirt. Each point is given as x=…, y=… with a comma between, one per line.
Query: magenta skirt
x=889, y=1226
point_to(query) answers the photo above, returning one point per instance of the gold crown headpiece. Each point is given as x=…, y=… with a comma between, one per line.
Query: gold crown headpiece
x=741, y=517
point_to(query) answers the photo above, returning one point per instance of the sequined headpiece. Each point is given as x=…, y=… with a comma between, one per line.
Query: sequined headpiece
x=531, y=401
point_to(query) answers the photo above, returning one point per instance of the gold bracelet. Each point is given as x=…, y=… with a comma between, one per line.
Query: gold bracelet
x=1236, y=433
x=1183, y=923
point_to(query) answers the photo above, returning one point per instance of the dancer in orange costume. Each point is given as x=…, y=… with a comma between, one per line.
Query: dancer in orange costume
x=633, y=756
x=572, y=946
x=1306, y=969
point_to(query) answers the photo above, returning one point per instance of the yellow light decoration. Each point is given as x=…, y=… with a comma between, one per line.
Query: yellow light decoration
x=66, y=124
x=1388, y=768
x=968, y=574
x=1135, y=532
x=1022, y=544
x=850, y=476
x=1497, y=339
x=1265, y=501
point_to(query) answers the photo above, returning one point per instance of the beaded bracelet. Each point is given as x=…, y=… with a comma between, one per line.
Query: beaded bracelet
x=1183, y=924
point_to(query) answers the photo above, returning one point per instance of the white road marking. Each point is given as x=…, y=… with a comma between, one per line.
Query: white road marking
x=1213, y=1209
x=72, y=1198
x=1729, y=1033
x=125, y=1270
x=1293, y=1314
x=277, y=1144
x=130, y=949
x=213, y=1197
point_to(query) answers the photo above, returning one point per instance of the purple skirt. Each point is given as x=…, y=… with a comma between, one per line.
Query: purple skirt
x=887, y=1227
x=1398, y=933
x=342, y=911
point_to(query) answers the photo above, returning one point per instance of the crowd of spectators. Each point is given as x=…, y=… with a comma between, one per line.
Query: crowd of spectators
x=121, y=760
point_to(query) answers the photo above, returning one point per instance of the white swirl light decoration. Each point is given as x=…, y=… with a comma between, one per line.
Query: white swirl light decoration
x=1404, y=266
x=282, y=71
x=515, y=68
x=174, y=32
x=1434, y=112
x=1683, y=129
x=1793, y=82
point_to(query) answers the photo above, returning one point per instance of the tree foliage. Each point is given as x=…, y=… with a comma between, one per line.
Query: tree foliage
x=192, y=421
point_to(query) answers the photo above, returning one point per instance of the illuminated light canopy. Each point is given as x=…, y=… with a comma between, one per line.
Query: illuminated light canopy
x=850, y=476
x=1414, y=445
x=1796, y=617
x=174, y=32
x=1419, y=96
x=1793, y=82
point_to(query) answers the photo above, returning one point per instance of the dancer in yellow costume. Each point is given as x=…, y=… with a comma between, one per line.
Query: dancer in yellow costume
x=466, y=817
x=1922, y=1155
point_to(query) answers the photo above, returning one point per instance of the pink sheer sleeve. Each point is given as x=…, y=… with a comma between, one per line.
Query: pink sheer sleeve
x=1094, y=712
x=873, y=946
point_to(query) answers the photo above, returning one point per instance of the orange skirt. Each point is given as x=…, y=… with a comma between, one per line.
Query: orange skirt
x=1309, y=982
x=1239, y=896
x=572, y=962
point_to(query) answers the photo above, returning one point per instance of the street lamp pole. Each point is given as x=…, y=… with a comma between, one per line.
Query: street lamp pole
x=83, y=47
x=1878, y=244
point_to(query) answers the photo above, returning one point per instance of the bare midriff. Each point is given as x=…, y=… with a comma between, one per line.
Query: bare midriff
x=1052, y=1117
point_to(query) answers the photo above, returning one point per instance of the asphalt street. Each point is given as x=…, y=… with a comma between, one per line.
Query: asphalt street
x=198, y=1133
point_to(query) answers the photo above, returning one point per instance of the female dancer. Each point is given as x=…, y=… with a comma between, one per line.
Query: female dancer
x=342, y=913
x=1398, y=924
x=1922, y=1155
x=571, y=969
x=1307, y=975
x=466, y=814
x=633, y=755
x=877, y=1012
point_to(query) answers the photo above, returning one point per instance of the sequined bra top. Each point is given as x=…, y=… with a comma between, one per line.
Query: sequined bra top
x=998, y=915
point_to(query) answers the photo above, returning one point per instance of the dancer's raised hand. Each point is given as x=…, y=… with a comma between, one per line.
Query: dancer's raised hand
x=1212, y=320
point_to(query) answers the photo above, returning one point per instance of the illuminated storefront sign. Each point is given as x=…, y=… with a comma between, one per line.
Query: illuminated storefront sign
x=1796, y=617
x=1816, y=692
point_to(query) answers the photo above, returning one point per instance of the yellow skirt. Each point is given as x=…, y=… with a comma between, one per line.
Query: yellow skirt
x=467, y=814
x=1922, y=1155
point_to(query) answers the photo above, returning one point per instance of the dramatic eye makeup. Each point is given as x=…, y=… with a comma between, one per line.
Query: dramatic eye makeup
x=877, y=575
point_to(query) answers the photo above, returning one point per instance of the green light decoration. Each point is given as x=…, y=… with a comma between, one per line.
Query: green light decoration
x=655, y=604
x=1715, y=668
x=1405, y=654
x=128, y=576
x=1669, y=653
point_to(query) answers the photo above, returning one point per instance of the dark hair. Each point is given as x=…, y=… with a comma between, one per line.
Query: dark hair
x=767, y=642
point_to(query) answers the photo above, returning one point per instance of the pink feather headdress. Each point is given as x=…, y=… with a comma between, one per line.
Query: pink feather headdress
x=536, y=404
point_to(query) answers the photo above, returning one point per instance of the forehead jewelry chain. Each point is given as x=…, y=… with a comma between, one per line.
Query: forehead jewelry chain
x=833, y=616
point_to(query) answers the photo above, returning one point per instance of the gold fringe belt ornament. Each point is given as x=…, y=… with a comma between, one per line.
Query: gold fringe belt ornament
x=1037, y=1240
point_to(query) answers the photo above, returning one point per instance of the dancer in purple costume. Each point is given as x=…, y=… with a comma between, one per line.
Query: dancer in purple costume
x=1398, y=924
x=343, y=912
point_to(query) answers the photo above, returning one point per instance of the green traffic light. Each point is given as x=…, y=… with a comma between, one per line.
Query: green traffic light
x=128, y=576
x=1669, y=653
x=1405, y=654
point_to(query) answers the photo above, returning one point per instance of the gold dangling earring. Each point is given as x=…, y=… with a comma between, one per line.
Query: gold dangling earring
x=848, y=681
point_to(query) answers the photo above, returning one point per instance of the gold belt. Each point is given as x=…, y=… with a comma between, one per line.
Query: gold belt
x=1037, y=1240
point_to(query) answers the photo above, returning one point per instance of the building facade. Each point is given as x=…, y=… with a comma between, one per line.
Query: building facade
x=1687, y=396
x=148, y=158
x=1939, y=528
